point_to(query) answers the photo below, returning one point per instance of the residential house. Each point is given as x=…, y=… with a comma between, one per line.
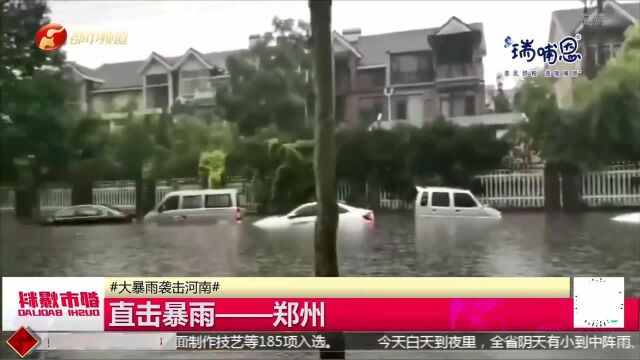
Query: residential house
x=149, y=86
x=609, y=27
x=426, y=73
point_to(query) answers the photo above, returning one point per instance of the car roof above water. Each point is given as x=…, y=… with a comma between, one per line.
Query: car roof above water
x=203, y=192
x=437, y=188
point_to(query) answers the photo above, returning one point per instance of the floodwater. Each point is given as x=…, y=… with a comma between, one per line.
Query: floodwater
x=521, y=244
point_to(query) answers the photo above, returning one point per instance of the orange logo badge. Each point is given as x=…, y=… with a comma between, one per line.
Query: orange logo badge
x=50, y=37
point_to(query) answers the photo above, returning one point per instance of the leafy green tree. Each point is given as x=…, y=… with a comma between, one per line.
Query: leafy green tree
x=20, y=57
x=270, y=84
x=36, y=107
x=501, y=102
x=607, y=120
x=604, y=123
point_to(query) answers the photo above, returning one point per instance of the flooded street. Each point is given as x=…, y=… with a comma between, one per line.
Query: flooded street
x=521, y=244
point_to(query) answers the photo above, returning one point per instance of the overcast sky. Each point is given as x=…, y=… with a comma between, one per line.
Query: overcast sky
x=171, y=27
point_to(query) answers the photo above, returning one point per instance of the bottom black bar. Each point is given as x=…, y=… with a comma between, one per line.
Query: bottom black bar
x=409, y=341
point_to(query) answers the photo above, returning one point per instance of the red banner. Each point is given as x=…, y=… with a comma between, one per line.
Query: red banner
x=339, y=314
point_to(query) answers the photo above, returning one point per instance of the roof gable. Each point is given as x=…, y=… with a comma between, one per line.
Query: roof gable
x=453, y=26
x=374, y=48
x=84, y=72
x=614, y=15
x=154, y=57
x=193, y=53
x=341, y=41
x=571, y=20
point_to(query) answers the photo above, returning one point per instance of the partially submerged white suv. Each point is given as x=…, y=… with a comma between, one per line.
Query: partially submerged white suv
x=451, y=203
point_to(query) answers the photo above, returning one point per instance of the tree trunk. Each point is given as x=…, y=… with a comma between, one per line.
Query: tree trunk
x=551, y=187
x=326, y=259
x=149, y=194
x=571, y=188
x=326, y=263
x=82, y=192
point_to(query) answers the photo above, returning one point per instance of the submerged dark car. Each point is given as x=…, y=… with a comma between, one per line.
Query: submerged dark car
x=88, y=214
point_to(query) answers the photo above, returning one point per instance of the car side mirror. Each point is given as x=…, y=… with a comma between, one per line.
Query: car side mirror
x=291, y=216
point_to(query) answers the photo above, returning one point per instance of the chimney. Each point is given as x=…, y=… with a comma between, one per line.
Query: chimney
x=253, y=40
x=352, y=34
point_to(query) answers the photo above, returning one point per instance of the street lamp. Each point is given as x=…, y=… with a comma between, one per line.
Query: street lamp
x=388, y=91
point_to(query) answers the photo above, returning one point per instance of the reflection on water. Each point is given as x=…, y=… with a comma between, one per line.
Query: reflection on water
x=522, y=244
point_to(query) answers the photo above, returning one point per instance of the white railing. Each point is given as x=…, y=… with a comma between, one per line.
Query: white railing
x=391, y=202
x=343, y=191
x=121, y=197
x=52, y=199
x=7, y=198
x=611, y=188
x=615, y=186
x=513, y=190
x=162, y=191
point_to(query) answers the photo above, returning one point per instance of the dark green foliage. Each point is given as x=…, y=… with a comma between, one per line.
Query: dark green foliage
x=269, y=85
x=602, y=126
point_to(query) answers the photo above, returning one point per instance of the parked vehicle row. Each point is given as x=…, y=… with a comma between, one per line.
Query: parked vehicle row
x=88, y=214
x=212, y=206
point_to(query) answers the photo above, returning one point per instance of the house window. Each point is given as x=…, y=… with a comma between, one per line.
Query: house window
x=401, y=109
x=616, y=49
x=368, y=110
x=195, y=81
x=606, y=54
x=370, y=78
x=157, y=88
x=157, y=79
x=470, y=105
x=157, y=97
x=411, y=68
x=445, y=107
x=187, y=74
x=428, y=108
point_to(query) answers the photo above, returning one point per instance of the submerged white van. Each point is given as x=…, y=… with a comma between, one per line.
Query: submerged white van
x=197, y=207
x=444, y=202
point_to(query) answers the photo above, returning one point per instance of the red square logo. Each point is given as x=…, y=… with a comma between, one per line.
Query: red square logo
x=23, y=341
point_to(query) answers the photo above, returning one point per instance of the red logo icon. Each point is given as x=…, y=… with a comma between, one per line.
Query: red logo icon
x=23, y=341
x=50, y=37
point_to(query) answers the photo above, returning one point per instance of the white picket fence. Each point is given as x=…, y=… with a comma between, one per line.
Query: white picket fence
x=611, y=188
x=616, y=186
x=7, y=198
x=120, y=194
x=52, y=199
x=513, y=189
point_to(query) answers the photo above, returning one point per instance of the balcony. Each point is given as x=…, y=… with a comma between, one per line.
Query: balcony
x=456, y=71
x=118, y=115
x=201, y=87
x=410, y=77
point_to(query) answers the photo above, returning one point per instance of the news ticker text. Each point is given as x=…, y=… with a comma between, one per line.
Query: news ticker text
x=407, y=341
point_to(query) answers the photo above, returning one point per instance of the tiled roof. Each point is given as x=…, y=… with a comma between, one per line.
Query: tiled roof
x=569, y=19
x=374, y=47
x=125, y=74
